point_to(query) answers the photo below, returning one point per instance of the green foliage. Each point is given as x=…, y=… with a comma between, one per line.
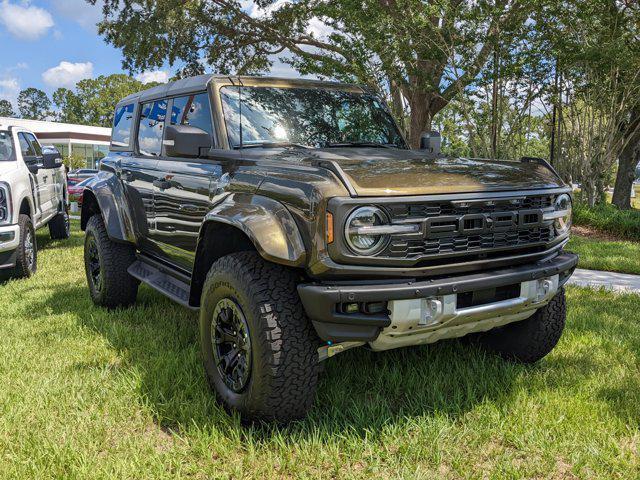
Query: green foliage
x=74, y=161
x=6, y=109
x=608, y=218
x=34, y=104
x=94, y=99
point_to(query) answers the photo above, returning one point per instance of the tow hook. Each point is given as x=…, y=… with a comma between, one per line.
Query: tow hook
x=331, y=349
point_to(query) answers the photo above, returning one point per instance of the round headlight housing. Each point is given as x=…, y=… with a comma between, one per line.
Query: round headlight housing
x=562, y=223
x=361, y=241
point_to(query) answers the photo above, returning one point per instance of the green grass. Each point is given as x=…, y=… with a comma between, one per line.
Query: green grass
x=87, y=393
x=609, y=256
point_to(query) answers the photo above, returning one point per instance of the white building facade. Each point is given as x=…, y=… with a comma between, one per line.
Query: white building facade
x=90, y=143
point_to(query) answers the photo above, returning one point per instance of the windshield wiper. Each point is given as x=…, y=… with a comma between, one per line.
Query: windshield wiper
x=269, y=145
x=358, y=144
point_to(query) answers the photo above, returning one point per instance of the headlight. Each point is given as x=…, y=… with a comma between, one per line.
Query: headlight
x=561, y=216
x=362, y=230
x=4, y=204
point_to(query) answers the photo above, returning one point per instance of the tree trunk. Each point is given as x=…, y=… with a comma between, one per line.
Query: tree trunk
x=424, y=107
x=627, y=163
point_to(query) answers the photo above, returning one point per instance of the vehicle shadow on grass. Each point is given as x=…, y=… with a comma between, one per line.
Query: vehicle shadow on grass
x=361, y=392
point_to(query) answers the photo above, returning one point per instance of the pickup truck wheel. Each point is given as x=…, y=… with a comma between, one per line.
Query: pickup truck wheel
x=106, y=263
x=60, y=226
x=527, y=341
x=27, y=254
x=259, y=348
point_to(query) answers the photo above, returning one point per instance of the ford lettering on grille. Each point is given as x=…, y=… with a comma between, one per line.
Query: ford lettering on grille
x=479, y=223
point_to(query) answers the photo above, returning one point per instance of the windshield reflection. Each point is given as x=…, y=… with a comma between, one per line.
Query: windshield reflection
x=309, y=117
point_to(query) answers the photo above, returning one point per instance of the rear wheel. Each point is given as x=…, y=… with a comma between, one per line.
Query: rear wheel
x=259, y=349
x=106, y=263
x=27, y=253
x=527, y=341
x=60, y=226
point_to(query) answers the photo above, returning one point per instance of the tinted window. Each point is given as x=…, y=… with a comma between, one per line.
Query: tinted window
x=25, y=147
x=34, y=144
x=192, y=110
x=122, y=121
x=6, y=146
x=151, y=126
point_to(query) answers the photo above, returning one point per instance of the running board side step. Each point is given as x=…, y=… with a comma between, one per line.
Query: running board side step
x=164, y=283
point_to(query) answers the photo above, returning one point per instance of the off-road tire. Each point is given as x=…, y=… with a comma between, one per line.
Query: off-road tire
x=25, y=267
x=284, y=346
x=118, y=288
x=59, y=226
x=527, y=341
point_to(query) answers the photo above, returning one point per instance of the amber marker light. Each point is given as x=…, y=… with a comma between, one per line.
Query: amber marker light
x=329, y=227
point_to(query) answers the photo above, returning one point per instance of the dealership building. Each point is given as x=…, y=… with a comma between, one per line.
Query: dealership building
x=90, y=143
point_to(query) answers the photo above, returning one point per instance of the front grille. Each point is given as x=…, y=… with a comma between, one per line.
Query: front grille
x=519, y=229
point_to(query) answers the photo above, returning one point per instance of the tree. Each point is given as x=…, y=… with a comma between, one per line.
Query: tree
x=34, y=104
x=422, y=54
x=94, y=99
x=6, y=109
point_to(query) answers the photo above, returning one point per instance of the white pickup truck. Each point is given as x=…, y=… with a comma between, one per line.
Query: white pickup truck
x=33, y=193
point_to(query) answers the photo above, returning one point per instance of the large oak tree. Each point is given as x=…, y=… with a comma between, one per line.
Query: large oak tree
x=420, y=53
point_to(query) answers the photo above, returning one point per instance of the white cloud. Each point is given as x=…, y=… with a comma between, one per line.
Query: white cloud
x=80, y=11
x=26, y=22
x=9, y=89
x=160, y=76
x=67, y=74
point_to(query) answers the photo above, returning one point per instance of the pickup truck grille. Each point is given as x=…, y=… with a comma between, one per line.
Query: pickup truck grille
x=471, y=229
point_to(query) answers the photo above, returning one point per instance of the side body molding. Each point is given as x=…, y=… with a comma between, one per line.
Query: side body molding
x=268, y=224
x=109, y=195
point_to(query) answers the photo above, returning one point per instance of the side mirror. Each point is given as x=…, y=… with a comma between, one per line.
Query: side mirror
x=186, y=141
x=431, y=141
x=51, y=158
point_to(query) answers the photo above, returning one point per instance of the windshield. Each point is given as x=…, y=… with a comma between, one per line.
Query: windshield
x=309, y=117
x=7, y=152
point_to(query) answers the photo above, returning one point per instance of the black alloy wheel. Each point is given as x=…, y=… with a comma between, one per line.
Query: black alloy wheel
x=231, y=344
x=93, y=264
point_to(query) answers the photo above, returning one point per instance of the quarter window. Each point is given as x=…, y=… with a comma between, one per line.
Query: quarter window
x=151, y=126
x=193, y=110
x=34, y=144
x=122, y=121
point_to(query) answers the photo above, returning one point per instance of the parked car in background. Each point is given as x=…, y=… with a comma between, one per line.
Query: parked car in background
x=33, y=194
x=293, y=215
x=75, y=192
x=76, y=176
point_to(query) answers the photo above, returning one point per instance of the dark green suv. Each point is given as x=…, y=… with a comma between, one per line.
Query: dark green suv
x=292, y=214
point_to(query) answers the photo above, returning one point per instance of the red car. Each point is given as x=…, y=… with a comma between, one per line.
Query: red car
x=75, y=192
x=74, y=177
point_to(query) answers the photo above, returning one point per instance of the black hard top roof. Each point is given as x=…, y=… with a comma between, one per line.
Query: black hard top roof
x=201, y=82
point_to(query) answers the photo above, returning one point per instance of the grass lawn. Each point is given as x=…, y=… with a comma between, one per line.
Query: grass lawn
x=87, y=393
x=607, y=255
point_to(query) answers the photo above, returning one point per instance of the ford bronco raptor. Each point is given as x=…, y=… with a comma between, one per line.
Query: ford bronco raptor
x=292, y=214
x=33, y=194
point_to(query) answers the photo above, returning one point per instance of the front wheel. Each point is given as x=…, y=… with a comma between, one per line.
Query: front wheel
x=259, y=349
x=27, y=254
x=106, y=263
x=527, y=341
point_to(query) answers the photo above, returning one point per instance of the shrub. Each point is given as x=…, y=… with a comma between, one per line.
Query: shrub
x=608, y=218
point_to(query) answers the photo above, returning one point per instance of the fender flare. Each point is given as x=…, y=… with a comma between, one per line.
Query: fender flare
x=109, y=195
x=266, y=222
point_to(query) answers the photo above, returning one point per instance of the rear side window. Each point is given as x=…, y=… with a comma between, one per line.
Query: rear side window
x=122, y=121
x=151, y=127
x=193, y=110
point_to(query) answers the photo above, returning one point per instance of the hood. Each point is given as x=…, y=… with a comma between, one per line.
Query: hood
x=395, y=172
x=7, y=167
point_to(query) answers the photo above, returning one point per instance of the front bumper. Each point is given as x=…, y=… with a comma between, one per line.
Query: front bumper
x=9, y=240
x=322, y=302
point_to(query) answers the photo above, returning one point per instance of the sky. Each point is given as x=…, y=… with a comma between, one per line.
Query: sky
x=49, y=44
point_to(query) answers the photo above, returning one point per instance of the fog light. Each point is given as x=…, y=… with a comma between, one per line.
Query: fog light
x=375, y=307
